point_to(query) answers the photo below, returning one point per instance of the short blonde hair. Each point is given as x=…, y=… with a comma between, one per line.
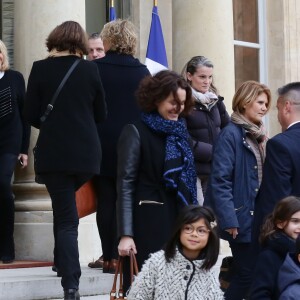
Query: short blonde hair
x=5, y=63
x=247, y=93
x=121, y=36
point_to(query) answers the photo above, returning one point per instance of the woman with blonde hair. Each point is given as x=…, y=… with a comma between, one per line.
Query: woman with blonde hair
x=14, y=142
x=121, y=74
x=236, y=175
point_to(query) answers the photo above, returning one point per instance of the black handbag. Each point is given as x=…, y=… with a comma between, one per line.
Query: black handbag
x=38, y=178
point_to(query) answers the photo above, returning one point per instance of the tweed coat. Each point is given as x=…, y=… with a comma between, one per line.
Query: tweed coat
x=179, y=279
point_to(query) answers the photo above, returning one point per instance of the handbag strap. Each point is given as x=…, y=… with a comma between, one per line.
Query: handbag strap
x=51, y=104
x=119, y=270
x=133, y=266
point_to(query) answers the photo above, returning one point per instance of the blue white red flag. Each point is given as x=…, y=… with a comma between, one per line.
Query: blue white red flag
x=156, y=57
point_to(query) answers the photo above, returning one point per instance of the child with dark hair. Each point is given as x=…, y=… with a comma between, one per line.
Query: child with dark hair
x=289, y=275
x=278, y=236
x=183, y=270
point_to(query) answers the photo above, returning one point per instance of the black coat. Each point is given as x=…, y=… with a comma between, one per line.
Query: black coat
x=265, y=278
x=146, y=210
x=120, y=75
x=14, y=131
x=204, y=127
x=68, y=139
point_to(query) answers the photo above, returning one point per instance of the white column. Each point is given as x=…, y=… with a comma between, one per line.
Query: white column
x=33, y=21
x=283, y=45
x=205, y=27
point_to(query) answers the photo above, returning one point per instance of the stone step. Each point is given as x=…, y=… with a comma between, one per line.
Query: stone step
x=42, y=283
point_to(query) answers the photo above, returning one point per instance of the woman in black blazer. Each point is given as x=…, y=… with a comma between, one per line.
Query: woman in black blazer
x=68, y=150
x=156, y=172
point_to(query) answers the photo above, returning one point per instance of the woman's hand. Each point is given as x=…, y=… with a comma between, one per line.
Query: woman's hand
x=23, y=158
x=233, y=232
x=126, y=243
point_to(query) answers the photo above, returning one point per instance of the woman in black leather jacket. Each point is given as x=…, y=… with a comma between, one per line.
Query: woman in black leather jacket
x=156, y=173
x=208, y=117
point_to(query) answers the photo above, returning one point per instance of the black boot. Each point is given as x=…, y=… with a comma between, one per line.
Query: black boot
x=71, y=294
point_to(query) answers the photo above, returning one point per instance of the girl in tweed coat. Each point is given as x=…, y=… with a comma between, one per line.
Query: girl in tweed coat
x=184, y=269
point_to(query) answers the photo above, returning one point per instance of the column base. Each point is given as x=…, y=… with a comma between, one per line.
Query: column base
x=34, y=237
x=33, y=233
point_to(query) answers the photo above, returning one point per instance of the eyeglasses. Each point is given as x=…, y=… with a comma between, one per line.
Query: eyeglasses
x=189, y=228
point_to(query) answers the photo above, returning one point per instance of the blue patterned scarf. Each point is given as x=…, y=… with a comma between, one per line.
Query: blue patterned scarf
x=179, y=170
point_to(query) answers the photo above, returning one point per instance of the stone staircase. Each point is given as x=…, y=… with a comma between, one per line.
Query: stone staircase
x=42, y=283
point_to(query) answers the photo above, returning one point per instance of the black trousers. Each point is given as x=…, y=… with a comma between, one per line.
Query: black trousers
x=7, y=206
x=106, y=189
x=242, y=275
x=61, y=188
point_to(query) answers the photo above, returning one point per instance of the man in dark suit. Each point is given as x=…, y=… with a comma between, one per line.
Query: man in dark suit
x=281, y=172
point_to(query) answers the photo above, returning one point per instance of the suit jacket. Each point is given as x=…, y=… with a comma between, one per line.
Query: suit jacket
x=68, y=139
x=281, y=174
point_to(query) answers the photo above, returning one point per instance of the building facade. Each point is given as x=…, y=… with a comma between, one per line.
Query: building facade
x=245, y=39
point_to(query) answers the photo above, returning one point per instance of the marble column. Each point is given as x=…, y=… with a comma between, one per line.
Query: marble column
x=205, y=27
x=141, y=16
x=283, y=40
x=33, y=21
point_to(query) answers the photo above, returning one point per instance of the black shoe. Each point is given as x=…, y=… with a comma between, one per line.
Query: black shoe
x=55, y=269
x=7, y=259
x=71, y=294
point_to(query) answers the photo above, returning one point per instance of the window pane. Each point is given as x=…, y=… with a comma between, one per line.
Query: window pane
x=246, y=64
x=245, y=18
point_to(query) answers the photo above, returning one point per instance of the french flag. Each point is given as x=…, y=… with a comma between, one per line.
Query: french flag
x=156, y=57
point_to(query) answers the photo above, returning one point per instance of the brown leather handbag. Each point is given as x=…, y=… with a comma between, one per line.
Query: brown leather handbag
x=86, y=200
x=114, y=295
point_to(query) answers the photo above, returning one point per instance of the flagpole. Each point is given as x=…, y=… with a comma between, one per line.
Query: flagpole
x=154, y=2
x=111, y=3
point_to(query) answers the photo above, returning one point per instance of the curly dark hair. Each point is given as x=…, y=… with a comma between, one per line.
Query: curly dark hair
x=156, y=89
x=68, y=36
x=190, y=214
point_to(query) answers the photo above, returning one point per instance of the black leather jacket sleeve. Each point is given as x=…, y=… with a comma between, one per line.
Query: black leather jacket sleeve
x=129, y=151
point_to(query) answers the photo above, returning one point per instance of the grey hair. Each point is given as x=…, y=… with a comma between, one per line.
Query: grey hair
x=290, y=91
x=194, y=63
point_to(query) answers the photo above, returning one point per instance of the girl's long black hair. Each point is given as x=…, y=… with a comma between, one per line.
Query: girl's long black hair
x=191, y=214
